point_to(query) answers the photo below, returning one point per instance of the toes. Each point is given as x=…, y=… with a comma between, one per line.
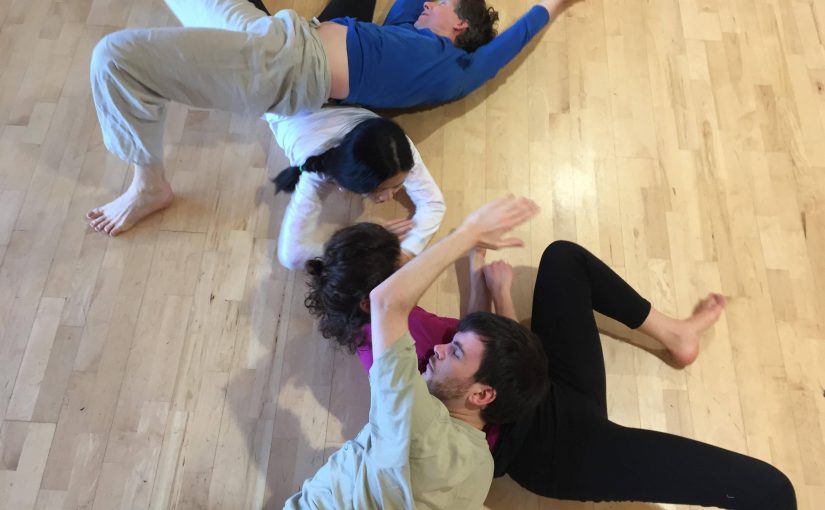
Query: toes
x=714, y=300
x=95, y=223
x=94, y=214
x=101, y=224
x=108, y=227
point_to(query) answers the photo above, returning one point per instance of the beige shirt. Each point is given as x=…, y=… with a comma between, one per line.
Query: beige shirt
x=411, y=453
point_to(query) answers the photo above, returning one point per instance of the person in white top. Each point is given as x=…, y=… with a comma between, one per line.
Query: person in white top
x=355, y=150
x=302, y=234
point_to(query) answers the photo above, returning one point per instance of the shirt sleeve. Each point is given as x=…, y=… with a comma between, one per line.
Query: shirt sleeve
x=427, y=331
x=301, y=238
x=490, y=58
x=404, y=11
x=429, y=205
x=401, y=406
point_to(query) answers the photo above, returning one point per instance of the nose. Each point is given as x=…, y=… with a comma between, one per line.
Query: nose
x=383, y=196
x=439, y=350
x=428, y=5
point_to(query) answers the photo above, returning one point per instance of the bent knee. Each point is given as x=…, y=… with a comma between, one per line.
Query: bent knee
x=779, y=491
x=112, y=49
x=560, y=250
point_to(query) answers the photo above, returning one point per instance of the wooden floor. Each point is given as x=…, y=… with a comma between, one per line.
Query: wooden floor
x=683, y=141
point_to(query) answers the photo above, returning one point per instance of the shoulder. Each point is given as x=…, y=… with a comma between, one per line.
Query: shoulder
x=396, y=354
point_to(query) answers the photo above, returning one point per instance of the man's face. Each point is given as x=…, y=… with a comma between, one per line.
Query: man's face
x=440, y=17
x=450, y=370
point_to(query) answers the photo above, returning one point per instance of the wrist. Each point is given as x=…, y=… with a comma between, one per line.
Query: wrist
x=466, y=235
x=501, y=295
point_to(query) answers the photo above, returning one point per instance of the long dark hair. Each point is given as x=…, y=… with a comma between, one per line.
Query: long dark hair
x=356, y=260
x=375, y=150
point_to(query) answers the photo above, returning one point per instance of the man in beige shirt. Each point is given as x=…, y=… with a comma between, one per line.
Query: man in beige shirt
x=423, y=446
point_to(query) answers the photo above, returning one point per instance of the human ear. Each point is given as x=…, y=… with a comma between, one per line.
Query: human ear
x=364, y=305
x=483, y=396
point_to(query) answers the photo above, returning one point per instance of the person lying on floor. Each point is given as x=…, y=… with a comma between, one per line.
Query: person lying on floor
x=231, y=56
x=567, y=448
x=423, y=446
x=354, y=150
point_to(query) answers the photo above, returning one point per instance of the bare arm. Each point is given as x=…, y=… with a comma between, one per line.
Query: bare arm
x=499, y=279
x=479, y=299
x=392, y=301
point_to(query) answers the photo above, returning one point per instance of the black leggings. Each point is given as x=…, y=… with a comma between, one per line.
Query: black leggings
x=361, y=10
x=568, y=449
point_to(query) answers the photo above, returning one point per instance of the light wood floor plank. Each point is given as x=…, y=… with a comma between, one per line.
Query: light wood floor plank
x=682, y=141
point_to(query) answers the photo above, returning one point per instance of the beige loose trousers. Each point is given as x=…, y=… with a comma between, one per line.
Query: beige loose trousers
x=230, y=57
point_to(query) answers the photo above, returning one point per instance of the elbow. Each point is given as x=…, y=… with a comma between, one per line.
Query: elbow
x=385, y=300
x=290, y=259
x=439, y=210
x=380, y=298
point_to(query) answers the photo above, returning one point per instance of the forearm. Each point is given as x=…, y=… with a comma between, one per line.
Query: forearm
x=503, y=301
x=426, y=222
x=479, y=297
x=488, y=60
x=406, y=286
x=555, y=7
x=392, y=301
x=300, y=238
x=429, y=205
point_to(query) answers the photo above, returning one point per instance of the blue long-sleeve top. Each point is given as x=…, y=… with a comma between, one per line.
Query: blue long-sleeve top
x=399, y=66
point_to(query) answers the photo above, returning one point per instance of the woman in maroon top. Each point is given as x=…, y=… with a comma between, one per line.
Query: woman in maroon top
x=568, y=448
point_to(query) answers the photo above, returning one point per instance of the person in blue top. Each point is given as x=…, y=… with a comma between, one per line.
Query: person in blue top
x=231, y=56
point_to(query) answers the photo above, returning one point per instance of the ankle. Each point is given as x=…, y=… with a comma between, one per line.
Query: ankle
x=666, y=330
x=149, y=179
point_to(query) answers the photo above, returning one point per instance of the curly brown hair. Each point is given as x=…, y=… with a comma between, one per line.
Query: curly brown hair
x=481, y=24
x=356, y=260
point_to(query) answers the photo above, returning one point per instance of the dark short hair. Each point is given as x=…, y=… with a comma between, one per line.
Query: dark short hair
x=372, y=152
x=356, y=259
x=481, y=24
x=513, y=363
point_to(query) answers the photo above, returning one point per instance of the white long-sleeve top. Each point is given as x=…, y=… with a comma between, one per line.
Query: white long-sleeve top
x=302, y=236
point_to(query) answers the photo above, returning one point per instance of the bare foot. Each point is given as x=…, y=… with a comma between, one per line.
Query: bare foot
x=684, y=346
x=149, y=192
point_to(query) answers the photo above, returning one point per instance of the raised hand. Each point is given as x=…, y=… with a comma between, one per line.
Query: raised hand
x=489, y=223
x=498, y=276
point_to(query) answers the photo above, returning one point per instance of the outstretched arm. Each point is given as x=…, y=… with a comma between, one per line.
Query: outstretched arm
x=391, y=302
x=488, y=60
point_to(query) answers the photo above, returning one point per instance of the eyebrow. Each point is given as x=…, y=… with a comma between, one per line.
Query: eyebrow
x=460, y=348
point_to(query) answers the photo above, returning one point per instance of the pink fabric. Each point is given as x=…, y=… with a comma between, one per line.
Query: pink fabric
x=427, y=330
